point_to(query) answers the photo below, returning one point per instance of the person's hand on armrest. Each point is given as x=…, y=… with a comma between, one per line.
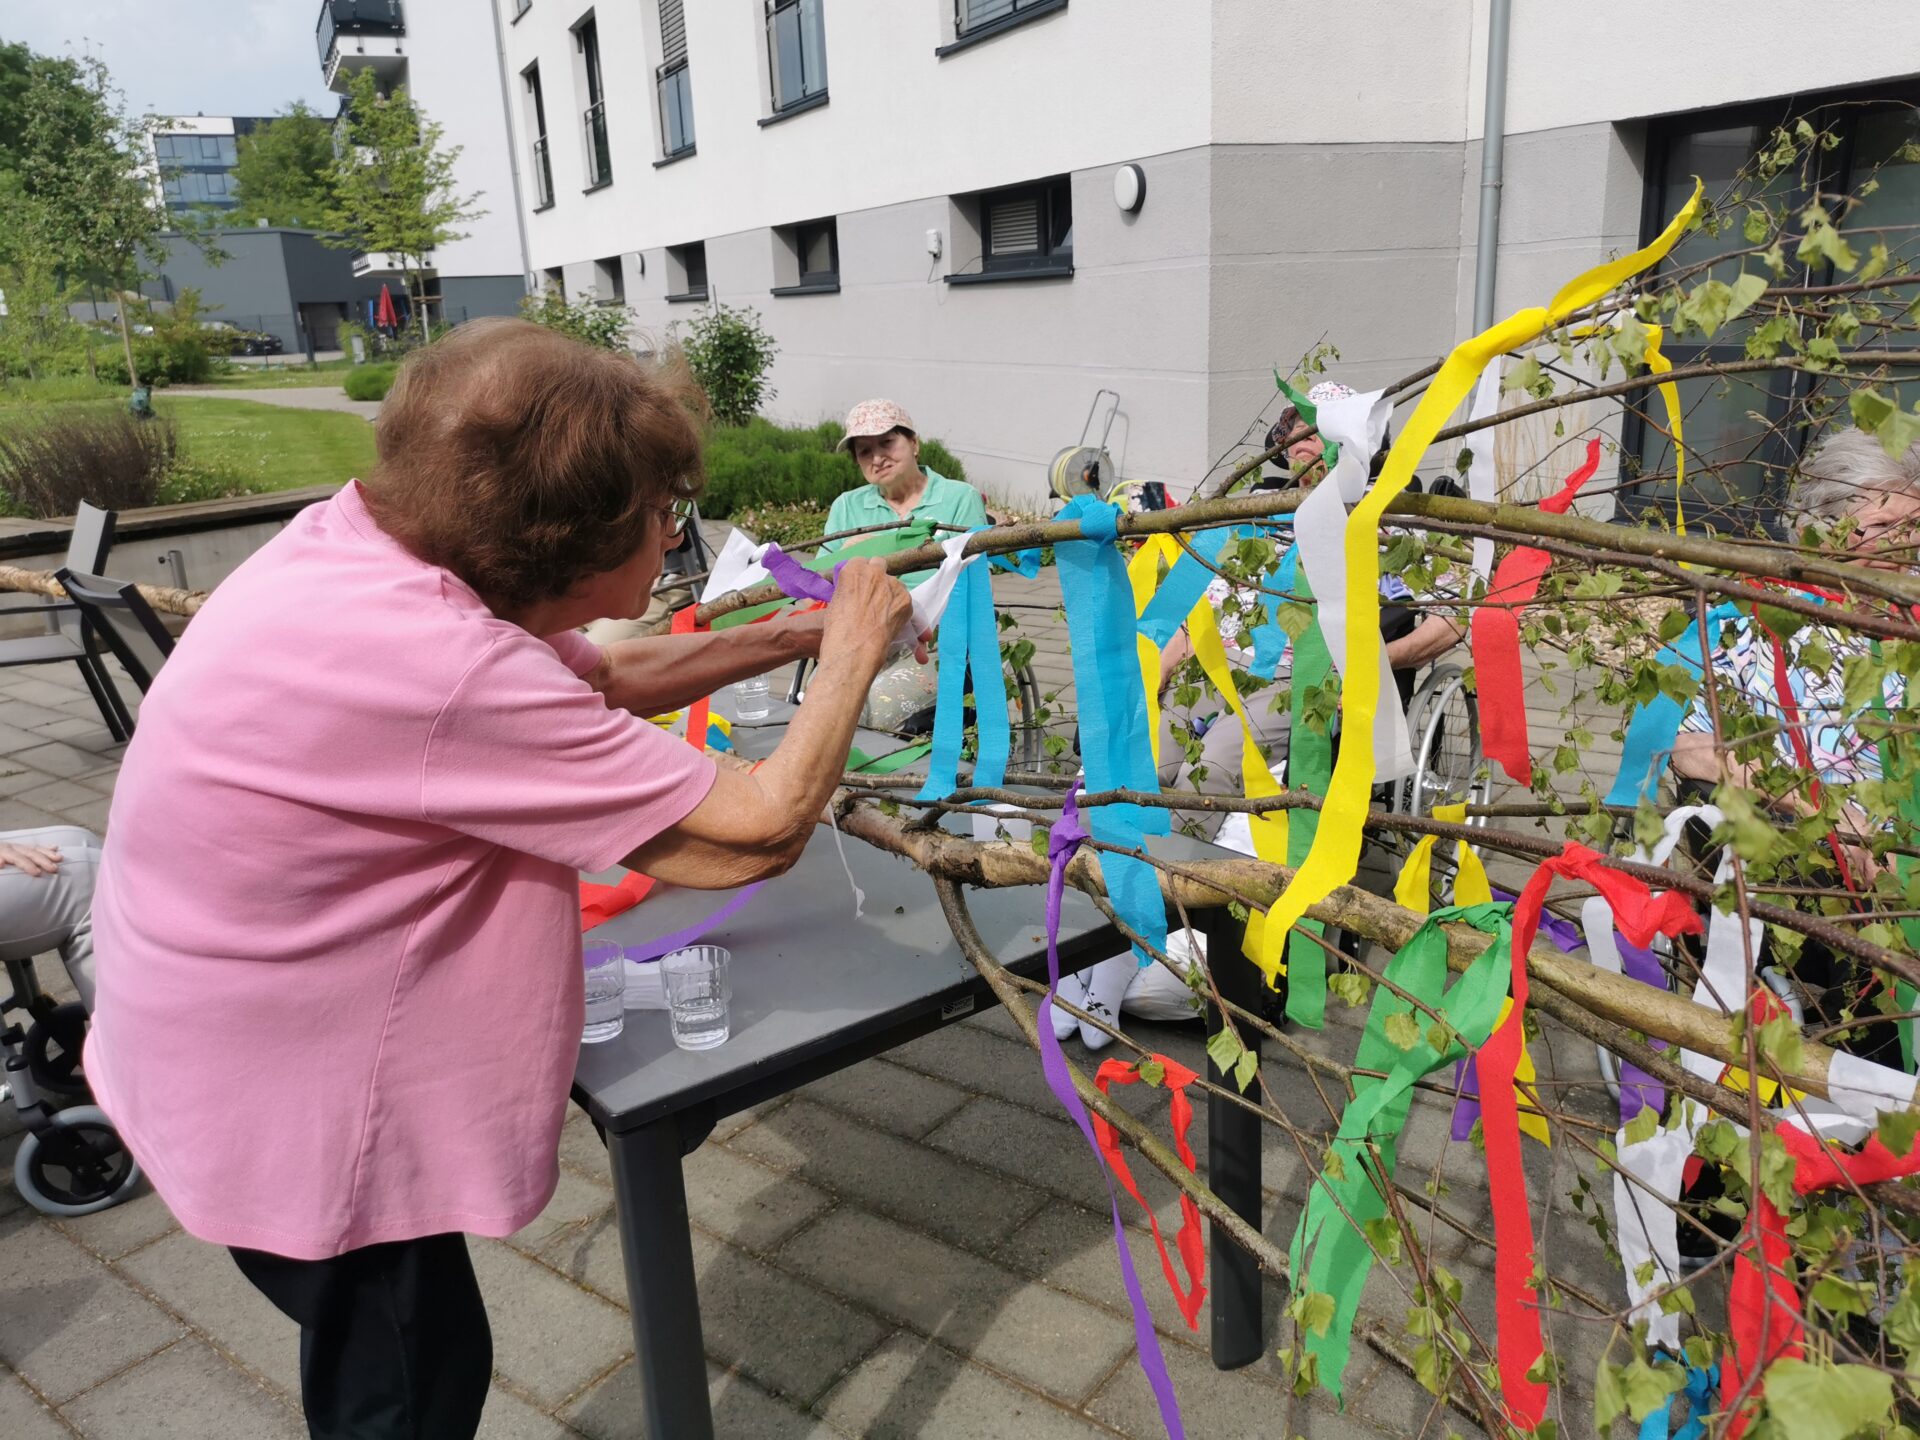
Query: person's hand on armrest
x=754, y=825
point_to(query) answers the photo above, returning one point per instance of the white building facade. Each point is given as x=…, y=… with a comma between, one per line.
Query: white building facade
x=447, y=55
x=925, y=199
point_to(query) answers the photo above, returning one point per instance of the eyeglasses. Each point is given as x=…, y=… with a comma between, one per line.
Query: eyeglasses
x=675, y=516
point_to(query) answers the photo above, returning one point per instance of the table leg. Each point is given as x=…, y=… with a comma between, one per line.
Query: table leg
x=656, y=1245
x=1233, y=1158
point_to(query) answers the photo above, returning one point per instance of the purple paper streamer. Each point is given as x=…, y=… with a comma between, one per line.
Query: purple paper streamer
x=1565, y=934
x=1637, y=1088
x=793, y=577
x=1062, y=841
x=680, y=939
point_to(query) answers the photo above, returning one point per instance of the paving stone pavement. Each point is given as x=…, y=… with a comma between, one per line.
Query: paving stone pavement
x=915, y=1247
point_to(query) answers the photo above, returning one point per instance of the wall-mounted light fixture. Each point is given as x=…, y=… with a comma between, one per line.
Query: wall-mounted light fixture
x=1130, y=188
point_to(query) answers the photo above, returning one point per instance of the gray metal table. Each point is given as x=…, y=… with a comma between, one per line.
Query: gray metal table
x=815, y=991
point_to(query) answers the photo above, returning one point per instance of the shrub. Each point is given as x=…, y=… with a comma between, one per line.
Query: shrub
x=188, y=479
x=730, y=355
x=761, y=464
x=50, y=463
x=369, y=382
x=783, y=524
x=604, y=327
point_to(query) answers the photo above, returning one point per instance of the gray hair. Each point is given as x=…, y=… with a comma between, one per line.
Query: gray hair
x=1842, y=470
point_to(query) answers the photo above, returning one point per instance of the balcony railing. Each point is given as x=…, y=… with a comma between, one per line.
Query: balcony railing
x=542, y=174
x=599, y=158
x=675, y=84
x=374, y=17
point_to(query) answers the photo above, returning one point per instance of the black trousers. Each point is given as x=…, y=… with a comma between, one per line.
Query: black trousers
x=394, y=1343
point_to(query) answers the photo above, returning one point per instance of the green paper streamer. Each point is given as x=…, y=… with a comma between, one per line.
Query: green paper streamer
x=1337, y=1209
x=886, y=542
x=859, y=762
x=1309, y=767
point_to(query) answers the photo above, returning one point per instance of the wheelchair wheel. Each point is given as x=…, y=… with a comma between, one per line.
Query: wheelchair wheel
x=53, y=1049
x=77, y=1165
x=1448, y=769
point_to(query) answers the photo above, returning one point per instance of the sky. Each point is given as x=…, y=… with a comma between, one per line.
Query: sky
x=186, y=57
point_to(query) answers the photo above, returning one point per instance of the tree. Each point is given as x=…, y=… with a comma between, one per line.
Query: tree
x=283, y=171
x=393, y=185
x=602, y=326
x=729, y=354
x=84, y=203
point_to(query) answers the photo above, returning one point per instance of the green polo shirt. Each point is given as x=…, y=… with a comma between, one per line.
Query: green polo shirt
x=944, y=502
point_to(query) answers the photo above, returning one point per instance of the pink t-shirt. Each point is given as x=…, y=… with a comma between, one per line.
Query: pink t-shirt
x=337, y=921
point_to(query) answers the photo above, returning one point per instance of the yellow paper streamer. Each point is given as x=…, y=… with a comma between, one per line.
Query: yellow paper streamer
x=1658, y=364
x=1143, y=573
x=1336, y=848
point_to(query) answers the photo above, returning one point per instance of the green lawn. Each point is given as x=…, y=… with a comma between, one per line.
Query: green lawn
x=295, y=376
x=267, y=447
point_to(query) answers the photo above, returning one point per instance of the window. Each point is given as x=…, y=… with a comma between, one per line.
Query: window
x=535, y=109
x=586, y=39
x=557, y=281
x=796, y=53
x=1737, y=464
x=1027, y=229
x=609, y=281
x=807, y=261
x=674, y=81
x=975, y=20
x=687, y=269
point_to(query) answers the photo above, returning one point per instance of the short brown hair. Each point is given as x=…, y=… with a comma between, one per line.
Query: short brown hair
x=524, y=461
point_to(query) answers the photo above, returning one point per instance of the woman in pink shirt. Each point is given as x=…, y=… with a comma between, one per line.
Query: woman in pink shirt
x=336, y=925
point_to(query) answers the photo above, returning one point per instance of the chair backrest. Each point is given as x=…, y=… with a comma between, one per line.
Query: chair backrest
x=87, y=546
x=119, y=615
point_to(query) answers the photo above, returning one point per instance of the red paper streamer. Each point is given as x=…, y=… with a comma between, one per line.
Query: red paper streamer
x=683, y=624
x=1189, y=1242
x=600, y=903
x=1496, y=637
x=1640, y=915
x=1760, y=1298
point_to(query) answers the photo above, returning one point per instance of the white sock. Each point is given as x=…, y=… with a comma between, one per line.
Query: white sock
x=1073, y=990
x=1106, y=986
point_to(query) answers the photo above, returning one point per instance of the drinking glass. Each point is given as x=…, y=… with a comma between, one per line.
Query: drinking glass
x=751, y=699
x=697, y=996
x=606, y=973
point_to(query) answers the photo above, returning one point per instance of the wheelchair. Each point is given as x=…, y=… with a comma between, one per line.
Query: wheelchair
x=71, y=1161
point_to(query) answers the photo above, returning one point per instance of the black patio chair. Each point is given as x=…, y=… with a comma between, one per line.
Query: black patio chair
x=114, y=612
x=67, y=637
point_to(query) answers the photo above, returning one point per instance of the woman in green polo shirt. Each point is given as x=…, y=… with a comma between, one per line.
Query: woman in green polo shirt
x=900, y=491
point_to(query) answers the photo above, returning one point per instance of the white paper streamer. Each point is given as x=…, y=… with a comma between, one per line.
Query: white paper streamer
x=736, y=567
x=1358, y=423
x=1865, y=1090
x=1483, y=480
x=1647, y=1229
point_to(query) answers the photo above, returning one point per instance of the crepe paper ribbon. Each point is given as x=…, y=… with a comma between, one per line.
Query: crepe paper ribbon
x=1114, y=745
x=1466, y=1084
x=1700, y=1388
x=1641, y=915
x=1564, y=934
x=1336, y=851
x=719, y=728
x=1143, y=574
x=794, y=578
x=1610, y=950
x=1898, y=768
x=1063, y=839
x=969, y=644
x=600, y=903
x=683, y=624
x=1763, y=1289
x=1658, y=364
x=884, y=543
x=1483, y=472
x=694, y=933
x=1309, y=768
x=861, y=763
x=1190, y=1241
x=1496, y=636
x=1163, y=605
x=1656, y=725
x=1340, y=1205
x=1022, y=562
x=1471, y=888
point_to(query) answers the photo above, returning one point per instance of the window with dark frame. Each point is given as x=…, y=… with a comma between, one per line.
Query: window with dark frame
x=673, y=79
x=796, y=52
x=815, y=247
x=970, y=16
x=690, y=263
x=610, y=281
x=542, y=152
x=1752, y=459
x=586, y=35
x=1027, y=228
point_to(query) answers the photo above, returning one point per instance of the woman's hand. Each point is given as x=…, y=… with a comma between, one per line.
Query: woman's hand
x=38, y=861
x=867, y=610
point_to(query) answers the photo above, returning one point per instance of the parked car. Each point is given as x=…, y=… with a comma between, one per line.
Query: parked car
x=260, y=342
x=222, y=338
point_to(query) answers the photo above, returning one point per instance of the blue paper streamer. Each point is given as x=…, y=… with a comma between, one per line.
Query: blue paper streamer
x=1113, y=711
x=1654, y=728
x=1700, y=1389
x=1024, y=562
x=969, y=640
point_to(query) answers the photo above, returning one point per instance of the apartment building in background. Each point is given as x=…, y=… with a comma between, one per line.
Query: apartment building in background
x=446, y=53
x=193, y=159
x=990, y=210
